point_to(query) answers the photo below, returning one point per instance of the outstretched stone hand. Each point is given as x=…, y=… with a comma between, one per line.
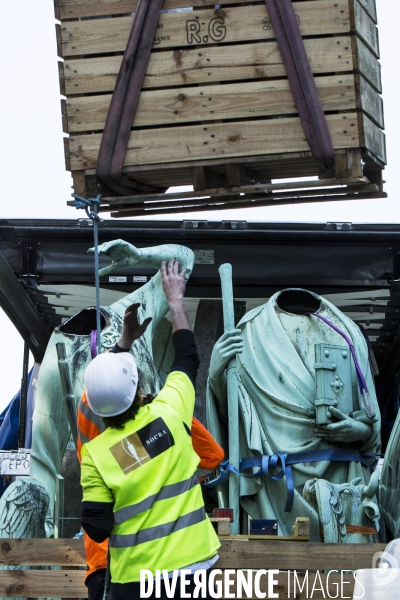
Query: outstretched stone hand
x=122, y=255
x=346, y=429
x=229, y=344
x=131, y=328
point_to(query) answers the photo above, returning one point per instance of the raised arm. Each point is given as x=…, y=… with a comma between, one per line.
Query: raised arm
x=150, y=296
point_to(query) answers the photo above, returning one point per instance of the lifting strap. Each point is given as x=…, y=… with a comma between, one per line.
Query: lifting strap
x=291, y=46
x=126, y=94
x=268, y=465
x=124, y=103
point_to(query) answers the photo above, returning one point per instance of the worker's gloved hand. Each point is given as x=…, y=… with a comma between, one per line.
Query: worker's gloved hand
x=229, y=344
x=346, y=429
x=122, y=255
x=131, y=329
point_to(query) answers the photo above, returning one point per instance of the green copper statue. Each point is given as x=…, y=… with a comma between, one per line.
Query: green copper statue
x=51, y=431
x=278, y=348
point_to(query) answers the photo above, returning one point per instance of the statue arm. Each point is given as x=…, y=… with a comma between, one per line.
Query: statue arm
x=150, y=296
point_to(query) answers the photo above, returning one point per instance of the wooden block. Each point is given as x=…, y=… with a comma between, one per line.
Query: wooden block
x=370, y=102
x=238, y=175
x=227, y=24
x=61, y=77
x=373, y=139
x=370, y=7
x=215, y=64
x=79, y=183
x=57, y=12
x=64, y=116
x=301, y=526
x=212, y=103
x=67, y=155
x=59, y=40
x=271, y=136
x=205, y=178
x=221, y=525
x=367, y=64
x=364, y=26
x=348, y=164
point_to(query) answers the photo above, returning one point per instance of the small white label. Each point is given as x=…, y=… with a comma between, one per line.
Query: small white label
x=140, y=279
x=204, y=257
x=117, y=279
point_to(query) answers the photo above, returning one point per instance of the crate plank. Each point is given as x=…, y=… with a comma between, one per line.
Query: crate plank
x=367, y=64
x=211, y=64
x=326, y=196
x=211, y=103
x=226, y=24
x=370, y=102
x=373, y=139
x=42, y=552
x=222, y=139
x=75, y=9
x=364, y=26
x=43, y=584
x=241, y=554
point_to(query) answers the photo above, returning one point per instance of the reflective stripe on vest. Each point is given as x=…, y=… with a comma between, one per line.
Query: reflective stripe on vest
x=160, y=531
x=166, y=492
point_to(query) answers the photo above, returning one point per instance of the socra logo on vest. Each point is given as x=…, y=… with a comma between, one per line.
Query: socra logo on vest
x=138, y=448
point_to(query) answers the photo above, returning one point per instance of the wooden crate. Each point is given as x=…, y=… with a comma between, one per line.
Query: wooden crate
x=216, y=110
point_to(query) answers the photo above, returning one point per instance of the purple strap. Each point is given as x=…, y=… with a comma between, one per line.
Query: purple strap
x=301, y=80
x=93, y=339
x=369, y=409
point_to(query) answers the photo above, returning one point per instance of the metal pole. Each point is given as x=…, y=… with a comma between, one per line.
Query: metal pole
x=23, y=397
x=225, y=272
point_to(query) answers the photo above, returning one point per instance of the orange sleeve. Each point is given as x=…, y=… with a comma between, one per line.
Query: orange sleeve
x=87, y=429
x=209, y=451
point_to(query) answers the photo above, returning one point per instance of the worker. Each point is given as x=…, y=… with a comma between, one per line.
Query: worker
x=90, y=426
x=140, y=487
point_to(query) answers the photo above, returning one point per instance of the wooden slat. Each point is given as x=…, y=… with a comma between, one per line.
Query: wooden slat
x=42, y=552
x=61, y=78
x=293, y=555
x=197, y=142
x=370, y=7
x=43, y=584
x=243, y=189
x=210, y=64
x=74, y=9
x=373, y=139
x=364, y=27
x=367, y=64
x=250, y=200
x=211, y=103
x=231, y=25
x=370, y=102
x=288, y=199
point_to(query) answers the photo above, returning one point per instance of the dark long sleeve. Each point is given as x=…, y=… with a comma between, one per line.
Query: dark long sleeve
x=186, y=356
x=97, y=520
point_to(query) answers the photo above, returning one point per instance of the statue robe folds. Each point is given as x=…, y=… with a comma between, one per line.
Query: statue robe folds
x=276, y=382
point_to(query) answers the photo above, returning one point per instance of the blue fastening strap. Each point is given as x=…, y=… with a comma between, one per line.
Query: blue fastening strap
x=284, y=462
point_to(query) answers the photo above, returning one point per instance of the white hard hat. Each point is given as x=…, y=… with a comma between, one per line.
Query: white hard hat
x=111, y=381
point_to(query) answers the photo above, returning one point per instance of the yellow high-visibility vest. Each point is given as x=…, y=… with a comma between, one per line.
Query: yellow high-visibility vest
x=148, y=470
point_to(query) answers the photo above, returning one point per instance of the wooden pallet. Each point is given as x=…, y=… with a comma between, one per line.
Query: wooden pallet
x=216, y=110
x=67, y=561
